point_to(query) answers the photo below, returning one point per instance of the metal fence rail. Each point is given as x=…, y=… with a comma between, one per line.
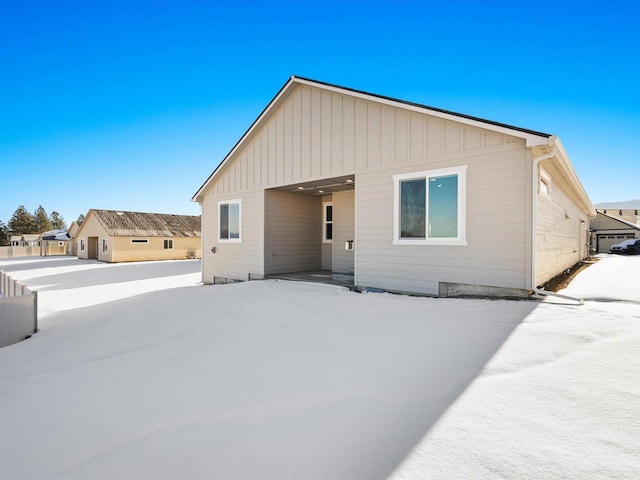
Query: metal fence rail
x=18, y=311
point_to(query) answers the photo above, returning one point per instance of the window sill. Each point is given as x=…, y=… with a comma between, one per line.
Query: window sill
x=433, y=241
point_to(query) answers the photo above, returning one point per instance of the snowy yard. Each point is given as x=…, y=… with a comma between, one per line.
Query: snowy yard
x=139, y=372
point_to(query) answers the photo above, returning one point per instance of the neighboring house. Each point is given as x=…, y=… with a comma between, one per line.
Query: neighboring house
x=53, y=242
x=25, y=240
x=405, y=197
x=72, y=231
x=611, y=226
x=116, y=236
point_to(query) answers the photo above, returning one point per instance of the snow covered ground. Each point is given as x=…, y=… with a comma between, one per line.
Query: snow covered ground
x=139, y=372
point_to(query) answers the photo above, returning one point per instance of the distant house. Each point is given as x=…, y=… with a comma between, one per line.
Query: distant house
x=611, y=226
x=72, y=231
x=117, y=236
x=402, y=196
x=54, y=242
x=25, y=240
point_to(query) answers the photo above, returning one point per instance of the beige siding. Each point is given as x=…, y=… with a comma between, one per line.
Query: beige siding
x=497, y=231
x=561, y=232
x=343, y=230
x=123, y=249
x=293, y=232
x=91, y=229
x=234, y=260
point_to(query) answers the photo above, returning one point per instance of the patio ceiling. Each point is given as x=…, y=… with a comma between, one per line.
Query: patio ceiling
x=321, y=187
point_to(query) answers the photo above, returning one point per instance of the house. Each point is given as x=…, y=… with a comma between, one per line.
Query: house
x=72, y=231
x=25, y=240
x=402, y=196
x=54, y=242
x=117, y=236
x=611, y=226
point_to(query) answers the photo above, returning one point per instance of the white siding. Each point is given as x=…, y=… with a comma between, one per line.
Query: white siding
x=234, y=260
x=561, y=232
x=496, y=225
x=343, y=230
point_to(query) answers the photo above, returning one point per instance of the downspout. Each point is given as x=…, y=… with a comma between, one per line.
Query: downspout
x=534, y=197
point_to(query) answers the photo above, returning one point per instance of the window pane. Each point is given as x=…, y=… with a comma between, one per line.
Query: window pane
x=329, y=213
x=329, y=231
x=234, y=220
x=224, y=220
x=443, y=207
x=412, y=208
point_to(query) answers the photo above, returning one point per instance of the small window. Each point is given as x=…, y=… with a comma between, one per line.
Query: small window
x=82, y=244
x=327, y=235
x=168, y=244
x=105, y=245
x=230, y=221
x=544, y=184
x=430, y=207
x=139, y=240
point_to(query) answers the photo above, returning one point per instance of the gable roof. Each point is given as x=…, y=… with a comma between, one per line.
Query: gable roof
x=624, y=223
x=531, y=137
x=60, y=234
x=139, y=224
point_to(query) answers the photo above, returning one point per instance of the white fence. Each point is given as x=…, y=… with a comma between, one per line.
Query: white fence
x=18, y=311
x=36, y=251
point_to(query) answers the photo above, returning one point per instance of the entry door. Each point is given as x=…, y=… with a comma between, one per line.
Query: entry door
x=92, y=246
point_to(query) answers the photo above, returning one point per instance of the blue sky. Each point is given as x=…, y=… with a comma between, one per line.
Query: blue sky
x=130, y=105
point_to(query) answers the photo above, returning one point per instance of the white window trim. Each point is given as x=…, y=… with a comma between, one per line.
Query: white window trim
x=167, y=240
x=461, y=239
x=546, y=180
x=324, y=221
x=229, y=202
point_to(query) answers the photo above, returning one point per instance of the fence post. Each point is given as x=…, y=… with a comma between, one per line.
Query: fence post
x=35, y=311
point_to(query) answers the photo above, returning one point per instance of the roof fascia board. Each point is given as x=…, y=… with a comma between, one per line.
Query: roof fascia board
x=568, y=169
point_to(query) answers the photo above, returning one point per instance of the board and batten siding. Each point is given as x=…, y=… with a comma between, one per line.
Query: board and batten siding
x=316, y=134
x=293, y=232
x=496, y=221
x=561, y=232
x=234, y=261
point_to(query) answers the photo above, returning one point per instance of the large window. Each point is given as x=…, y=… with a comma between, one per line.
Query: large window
x=230, y=220
x=430, y=207
x=327, y=230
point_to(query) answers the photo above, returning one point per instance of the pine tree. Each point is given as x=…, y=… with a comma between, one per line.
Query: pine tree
x=41, y=220
x=22, y=222
x=57, y=222
x=4, y=234
x=80, y=220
